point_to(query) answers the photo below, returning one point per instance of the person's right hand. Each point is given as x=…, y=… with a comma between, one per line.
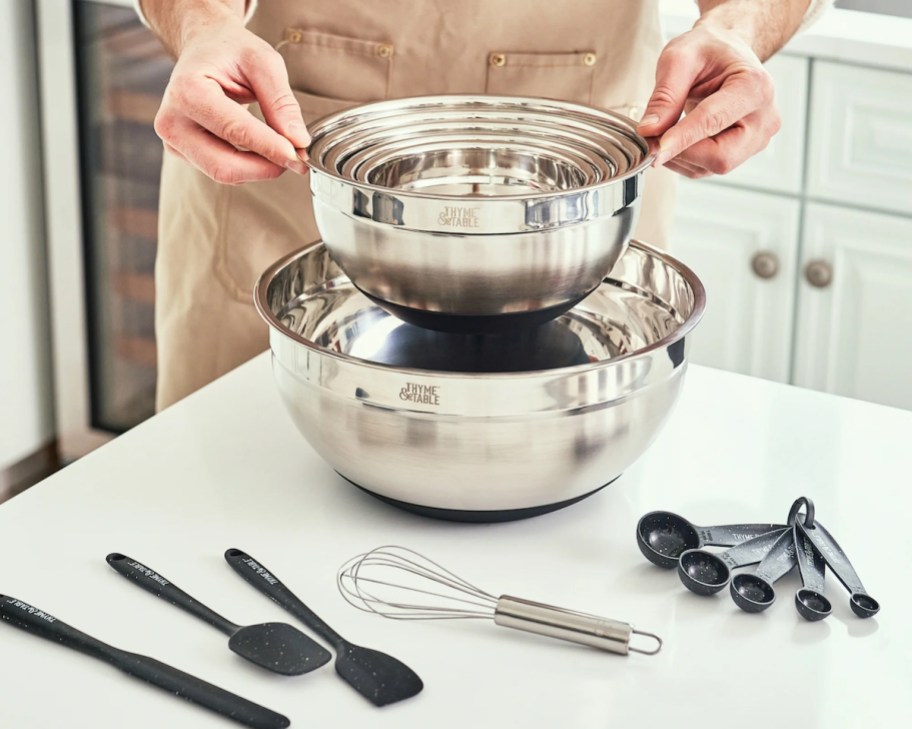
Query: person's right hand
x=203, y=120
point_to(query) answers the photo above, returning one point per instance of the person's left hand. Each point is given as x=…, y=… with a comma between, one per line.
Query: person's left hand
x=726, y=95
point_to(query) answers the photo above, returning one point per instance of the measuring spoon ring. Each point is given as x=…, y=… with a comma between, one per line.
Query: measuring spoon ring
x=753, y=592
x=663, y=536
x=862, y=604
x=705, y=572
x=809, y=599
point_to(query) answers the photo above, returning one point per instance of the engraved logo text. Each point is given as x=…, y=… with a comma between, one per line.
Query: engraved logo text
x=458, y=217
x=423, y=394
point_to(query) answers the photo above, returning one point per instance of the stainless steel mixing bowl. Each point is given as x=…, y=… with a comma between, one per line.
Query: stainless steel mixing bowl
x=480, y=427
x=489, y=231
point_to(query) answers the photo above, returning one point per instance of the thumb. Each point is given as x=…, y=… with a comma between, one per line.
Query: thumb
x=675, y=75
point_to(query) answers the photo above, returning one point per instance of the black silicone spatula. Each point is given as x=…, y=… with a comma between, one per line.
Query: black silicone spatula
x=277, y=647
x=35, y=621
x=378, y=677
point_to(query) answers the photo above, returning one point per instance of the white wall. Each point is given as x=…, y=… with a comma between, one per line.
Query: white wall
x=26, y=398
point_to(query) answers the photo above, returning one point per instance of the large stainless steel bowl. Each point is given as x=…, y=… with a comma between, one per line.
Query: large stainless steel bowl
x=470, y=213
x=480, y=427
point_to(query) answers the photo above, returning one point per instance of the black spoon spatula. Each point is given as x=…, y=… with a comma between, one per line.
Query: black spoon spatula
x=379, y=677
x=277, y=647
x=35, y=621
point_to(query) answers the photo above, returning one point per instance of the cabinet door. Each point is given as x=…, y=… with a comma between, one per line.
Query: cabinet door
x=861, y=150
x=722, y=233
x=853, y=332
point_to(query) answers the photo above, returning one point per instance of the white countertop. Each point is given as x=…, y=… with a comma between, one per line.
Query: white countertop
x=226, y=468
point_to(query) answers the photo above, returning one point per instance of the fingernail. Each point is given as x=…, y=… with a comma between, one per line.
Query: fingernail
x=649, y=120
x=298, y=166
x=663, y=155
x=302, y=155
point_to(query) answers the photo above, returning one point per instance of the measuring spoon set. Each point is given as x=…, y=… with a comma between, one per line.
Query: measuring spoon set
x=672, y=542
x=276, y=647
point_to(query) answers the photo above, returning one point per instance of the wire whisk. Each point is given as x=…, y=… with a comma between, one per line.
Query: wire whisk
x=399, y=583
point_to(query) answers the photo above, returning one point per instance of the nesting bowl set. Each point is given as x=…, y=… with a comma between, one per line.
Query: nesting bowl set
x=477, y=337
x=470, y=213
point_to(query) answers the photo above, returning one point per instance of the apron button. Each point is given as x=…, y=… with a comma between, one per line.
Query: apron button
x=385, y=50
x=498, y=60
x=295, y=36
x=589, y=59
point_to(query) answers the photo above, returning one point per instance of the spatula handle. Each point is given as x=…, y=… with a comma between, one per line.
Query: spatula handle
x=36, y=621
x=149, y=580
x=266, y=582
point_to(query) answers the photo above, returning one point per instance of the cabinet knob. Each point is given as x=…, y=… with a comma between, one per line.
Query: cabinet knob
x=765, y=264
x=818, y=273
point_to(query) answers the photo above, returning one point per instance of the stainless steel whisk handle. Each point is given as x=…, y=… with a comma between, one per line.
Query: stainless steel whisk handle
x=555, y=622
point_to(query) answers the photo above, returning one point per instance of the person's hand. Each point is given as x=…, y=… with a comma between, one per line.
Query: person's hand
x=221, y=67
x=719, y=83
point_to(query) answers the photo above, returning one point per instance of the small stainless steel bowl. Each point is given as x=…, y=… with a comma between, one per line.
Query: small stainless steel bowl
x=596, y=143
x=480, y=427
x=499, y=236
x=478, y=165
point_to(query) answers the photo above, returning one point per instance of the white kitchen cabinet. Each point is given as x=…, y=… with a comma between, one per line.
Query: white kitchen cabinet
x=724, y=234
x=853, y=328
x=835, y=316
x=860, y=151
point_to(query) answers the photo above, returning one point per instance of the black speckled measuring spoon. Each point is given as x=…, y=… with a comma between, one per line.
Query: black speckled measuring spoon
x=810, y=601
x=753, y=592
x=705, y=573
x=862, y=604
x=379, y=677
x=663, y=536
x=277, y=647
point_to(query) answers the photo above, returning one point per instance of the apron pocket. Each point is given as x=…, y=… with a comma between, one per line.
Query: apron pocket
x=336, y=66
x=564, y=76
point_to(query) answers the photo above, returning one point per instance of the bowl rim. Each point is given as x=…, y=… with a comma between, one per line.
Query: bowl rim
x=649, y=144
x=699, y=294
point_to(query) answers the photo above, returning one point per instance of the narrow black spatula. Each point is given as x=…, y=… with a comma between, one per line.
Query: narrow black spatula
x=379, y=677
x=35, y=621
x=277, y=647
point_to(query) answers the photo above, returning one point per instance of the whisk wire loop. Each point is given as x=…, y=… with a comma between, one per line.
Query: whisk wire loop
x=356, y=587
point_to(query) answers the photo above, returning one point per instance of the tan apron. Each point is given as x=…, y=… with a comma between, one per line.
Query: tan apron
x=214, y=240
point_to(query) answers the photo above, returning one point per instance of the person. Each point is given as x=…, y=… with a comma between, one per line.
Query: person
x=249, y=78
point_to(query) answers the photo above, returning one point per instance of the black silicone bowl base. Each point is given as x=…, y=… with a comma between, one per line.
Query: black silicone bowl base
x=484, y=324
x=479, y=516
